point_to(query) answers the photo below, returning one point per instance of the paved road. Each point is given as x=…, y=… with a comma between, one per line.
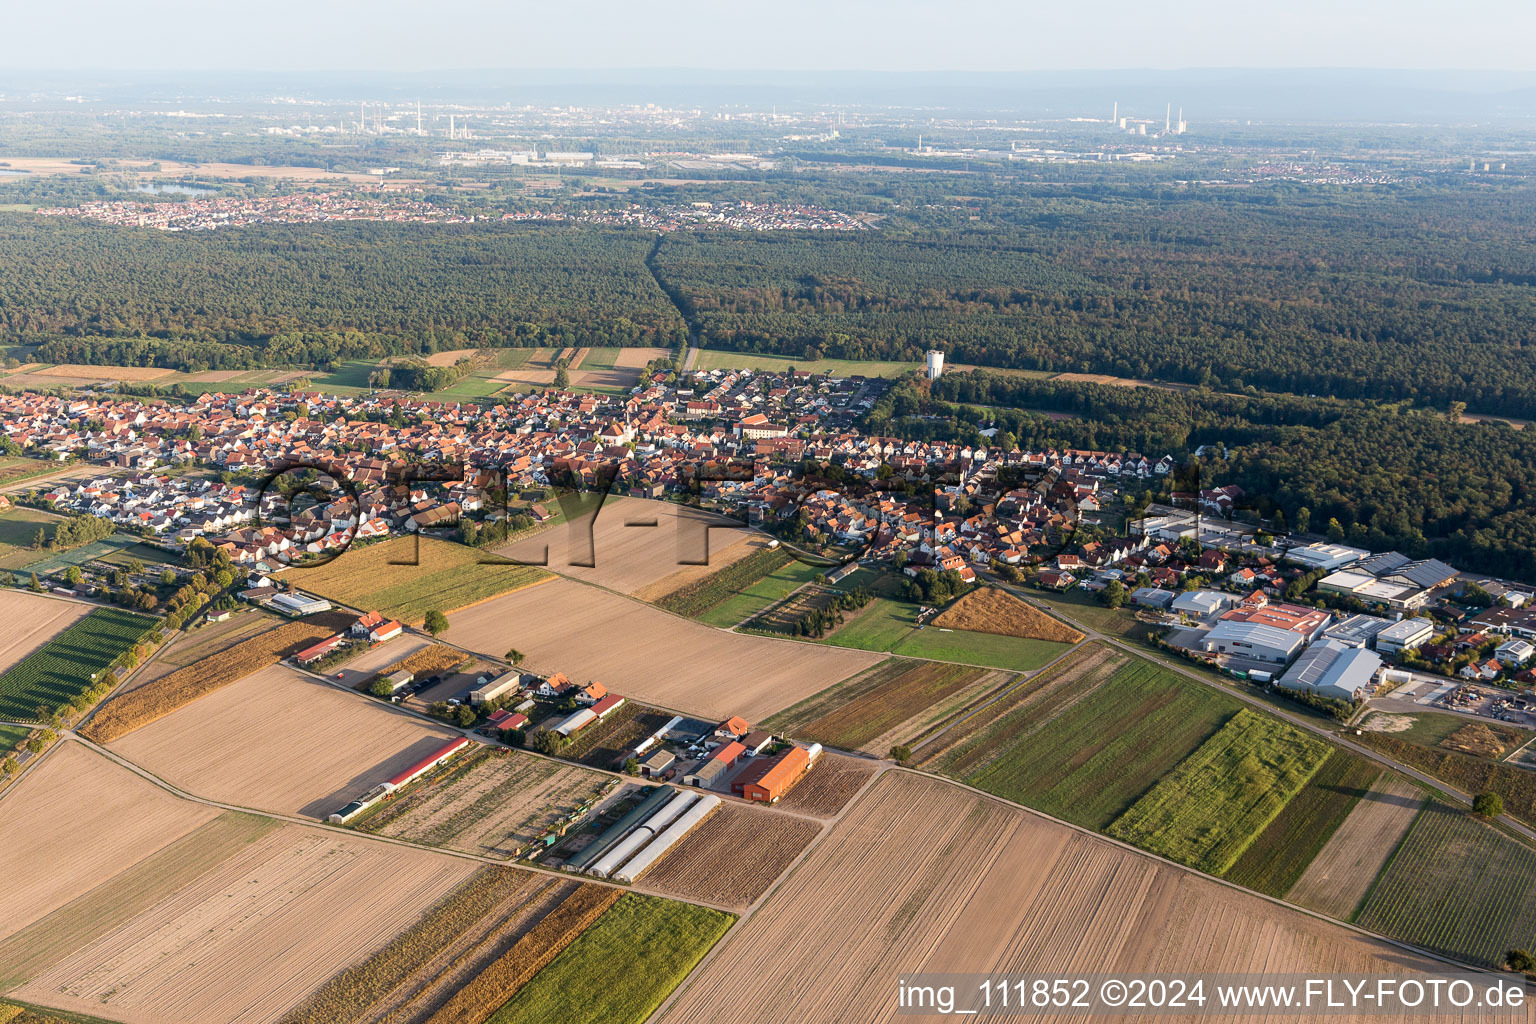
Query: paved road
x=1295, y=719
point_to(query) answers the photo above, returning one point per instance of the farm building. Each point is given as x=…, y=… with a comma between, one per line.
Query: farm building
x=366, y=624
x=608, y=705
x=501, y=686
x=1330, y=669
x=505, y=721
x=399, y=680
x=1253, y=640
x=1404, y=636
x=733, y=727
x=657, y=764
x=576, y=722
x=706, y=773
x=405, y=778
x=756, y=741
x=310, y=655
x=657, y=736
x=768, y=780
x=385, y=631
x=298, y=605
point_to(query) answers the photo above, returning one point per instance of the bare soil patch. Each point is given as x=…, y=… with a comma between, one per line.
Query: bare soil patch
x=927, y=877
x=829, y=785
x=732, y=857
x=1343, y=870
x=282, y=741
x=649, y=655
x=1380, y=721
x=34, y=621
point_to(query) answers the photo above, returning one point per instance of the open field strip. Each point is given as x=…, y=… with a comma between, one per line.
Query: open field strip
x=1278, y=855
x=636, y=545
x=75, y=821
x=723, y=582
x=250, y=939
x=1218, y=799
x=732, y=857
x=1468, y=774
x=405, y=581
x=719, y=359
x=620, y=969
x=35, y=620
x=993, y=610
x=123, y=895
x=281, y=741
x=204, y=641
x=1342, y=872
x=888, y=624
x=1459, y=886
x=887, y=705
x=741, y=596
x=829, y=785
x=145, y=704
x=648, y=655
x=925, y=876
x=67, y=664
x=489, y=803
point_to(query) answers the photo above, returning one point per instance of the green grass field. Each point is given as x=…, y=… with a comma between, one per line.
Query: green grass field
x=55, y=561
x=620, y=969
x=18, y=529
x=698, y=597
x=61, y=669
x=1457, y=886
x=1098, y=755
x=1208, y=810
x=889, y=624
x=353, y=374
x=1280, y=854
x=18, y=468
x=11, y=737
x=750, y=600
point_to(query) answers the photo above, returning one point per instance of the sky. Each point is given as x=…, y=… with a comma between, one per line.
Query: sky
x=794, y=35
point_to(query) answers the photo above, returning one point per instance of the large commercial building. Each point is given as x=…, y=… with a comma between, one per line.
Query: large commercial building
x=1308, y=622
x=1330, y=669
x=1357, y=630
x=1253, y=640
x=1404, y=636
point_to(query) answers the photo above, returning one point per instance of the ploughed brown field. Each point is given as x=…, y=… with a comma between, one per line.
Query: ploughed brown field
x=637, y=546
x=924, y=876
x=282, y=741
x=73, y=822
x=1339, y=876
x=990, y=610
x=33, y=621
x=826, y=789
x=253, y=936
x=649, y=655
x=732, y=857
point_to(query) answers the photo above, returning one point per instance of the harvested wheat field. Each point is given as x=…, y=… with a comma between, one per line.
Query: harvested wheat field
x=624, y=373
x=1342, y=872
x=829, y=785
x=203, y=642
x=731, y=858
x=489, y=802
x=75, y=821
x=100, y=372
x=649, y=655
x=152, y=701
x=249, y=940
x=638, y=547
x=35, y=620
x=990, y=610
x=923, y=876
x=281, y=741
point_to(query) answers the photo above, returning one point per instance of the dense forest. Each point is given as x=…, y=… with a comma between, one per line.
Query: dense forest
x=307, y=294
x=1386, y=293
x=1391, y=475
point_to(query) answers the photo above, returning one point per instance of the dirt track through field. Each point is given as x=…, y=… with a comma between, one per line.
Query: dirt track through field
x=74, y=821
x=1343, y=870
x=249, y=940
x=281, y=741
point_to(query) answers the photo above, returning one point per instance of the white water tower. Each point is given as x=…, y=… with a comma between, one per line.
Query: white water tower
x=935, y=364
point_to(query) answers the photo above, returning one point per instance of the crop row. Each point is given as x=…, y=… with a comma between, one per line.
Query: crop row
x=156, y=699
x=68, y=665
x=1212, y=805
x=700, y=596
x=1280, y=854
x=500, y=980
